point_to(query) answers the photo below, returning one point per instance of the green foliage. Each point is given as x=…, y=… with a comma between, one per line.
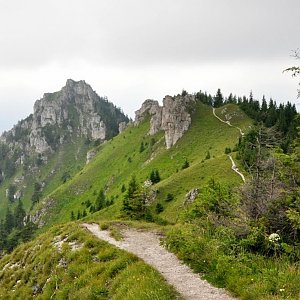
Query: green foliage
x=159, y=208
x=37, y=193
x=123, y=188
x=19, y=215
x=207, y=155
x=11, y=192
x=65, y=176
x=227, y=150
x=135, y=202
x=52, y=135
x=218, y=99
x=142, y=147
x=94, y=270
x=100, y=201
x=225, y=264
x=169, y=197
x=185, y=165
x=15, y=229
x=154, y=176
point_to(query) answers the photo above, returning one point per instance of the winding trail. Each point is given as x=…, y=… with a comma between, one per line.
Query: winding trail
x=235, y=168
x=227, y=122
x=146, y=245
x=233, y=165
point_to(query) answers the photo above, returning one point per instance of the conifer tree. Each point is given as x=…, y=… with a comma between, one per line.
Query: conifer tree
x=19, y=215
x=9, y=221
x=218, y=99
x=100, y=201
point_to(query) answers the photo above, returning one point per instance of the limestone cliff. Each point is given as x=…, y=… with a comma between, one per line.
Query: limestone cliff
x=173, y=117
x=76, y=111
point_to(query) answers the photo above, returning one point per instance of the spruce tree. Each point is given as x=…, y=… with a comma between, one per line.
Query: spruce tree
x=100, y=201
x=218, y=99
x=9, y=221
x=19, y=215
x=142, y=147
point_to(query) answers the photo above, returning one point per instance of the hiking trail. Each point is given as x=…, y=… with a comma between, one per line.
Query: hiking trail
x=146, y=245
x=233, y=165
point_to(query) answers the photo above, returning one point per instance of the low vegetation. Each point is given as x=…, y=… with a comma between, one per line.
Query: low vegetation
x=69, y=263
x=241, y=237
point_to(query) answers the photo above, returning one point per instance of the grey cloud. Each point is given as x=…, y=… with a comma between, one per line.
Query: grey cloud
x=146, y=32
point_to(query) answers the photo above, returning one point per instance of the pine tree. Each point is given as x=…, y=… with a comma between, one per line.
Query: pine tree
x=185, y=165
x=133, y=203
x=152, y=176
x=72, y=216
x=19, y=215
x=159, y=208
x=100, y=201
x=218, y=99
x=3, y=236
x=157, y=176
x=170, y=197
x=207, y=155
x=123, y=188
x=142, y=147
x=9, y=221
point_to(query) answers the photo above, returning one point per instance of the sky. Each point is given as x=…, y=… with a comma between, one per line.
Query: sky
x=133, y=50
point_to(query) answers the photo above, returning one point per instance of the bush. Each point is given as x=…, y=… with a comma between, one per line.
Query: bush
x=170, y=197
x=185, y=165
x=159, y=208
x=227, y=150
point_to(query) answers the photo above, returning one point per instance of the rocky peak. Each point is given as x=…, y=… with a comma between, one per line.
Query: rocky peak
x=173, y=117
x=61, y=117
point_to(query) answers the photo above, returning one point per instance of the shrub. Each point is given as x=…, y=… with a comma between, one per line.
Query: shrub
x=170, y=197
x=159, y=208
x=185, y=165
x=227, y=150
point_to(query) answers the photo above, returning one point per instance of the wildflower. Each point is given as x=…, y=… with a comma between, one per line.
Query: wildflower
x=281, y=290
x=274, y=238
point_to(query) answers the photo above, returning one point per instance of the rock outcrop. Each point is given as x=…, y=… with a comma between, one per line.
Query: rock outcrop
x=122, y=126
x=191, y=196
x=75, y=114
x=75, y=109
x=173, y=117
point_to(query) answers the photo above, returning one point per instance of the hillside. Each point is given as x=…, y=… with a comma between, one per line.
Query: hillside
x=69, y=263
x=185, y=172
x=49, y=146
x=121, y=157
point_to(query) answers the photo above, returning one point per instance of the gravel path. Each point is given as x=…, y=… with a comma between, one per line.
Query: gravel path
x=235, y=168
x=227, y=122
x=146, y=245
x=233, y=165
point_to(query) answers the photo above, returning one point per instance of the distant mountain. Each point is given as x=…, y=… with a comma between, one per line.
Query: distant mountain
x=75, y=115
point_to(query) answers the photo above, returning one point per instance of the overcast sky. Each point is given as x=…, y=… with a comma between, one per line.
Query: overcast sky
x=132, y=50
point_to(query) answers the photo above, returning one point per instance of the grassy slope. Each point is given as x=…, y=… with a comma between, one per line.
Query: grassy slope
x=111, y=168
x=71, y=157
x=95, y=270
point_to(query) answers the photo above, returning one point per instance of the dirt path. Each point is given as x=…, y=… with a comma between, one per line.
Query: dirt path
x=235, y=168
x=146, y=245
x=227, y=122
x=233, y=165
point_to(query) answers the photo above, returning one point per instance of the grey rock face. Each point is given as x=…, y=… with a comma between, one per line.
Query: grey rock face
x=90, y=155
x=75, y=109
x=173, y=117
x=191, y=196
x=122, y=126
